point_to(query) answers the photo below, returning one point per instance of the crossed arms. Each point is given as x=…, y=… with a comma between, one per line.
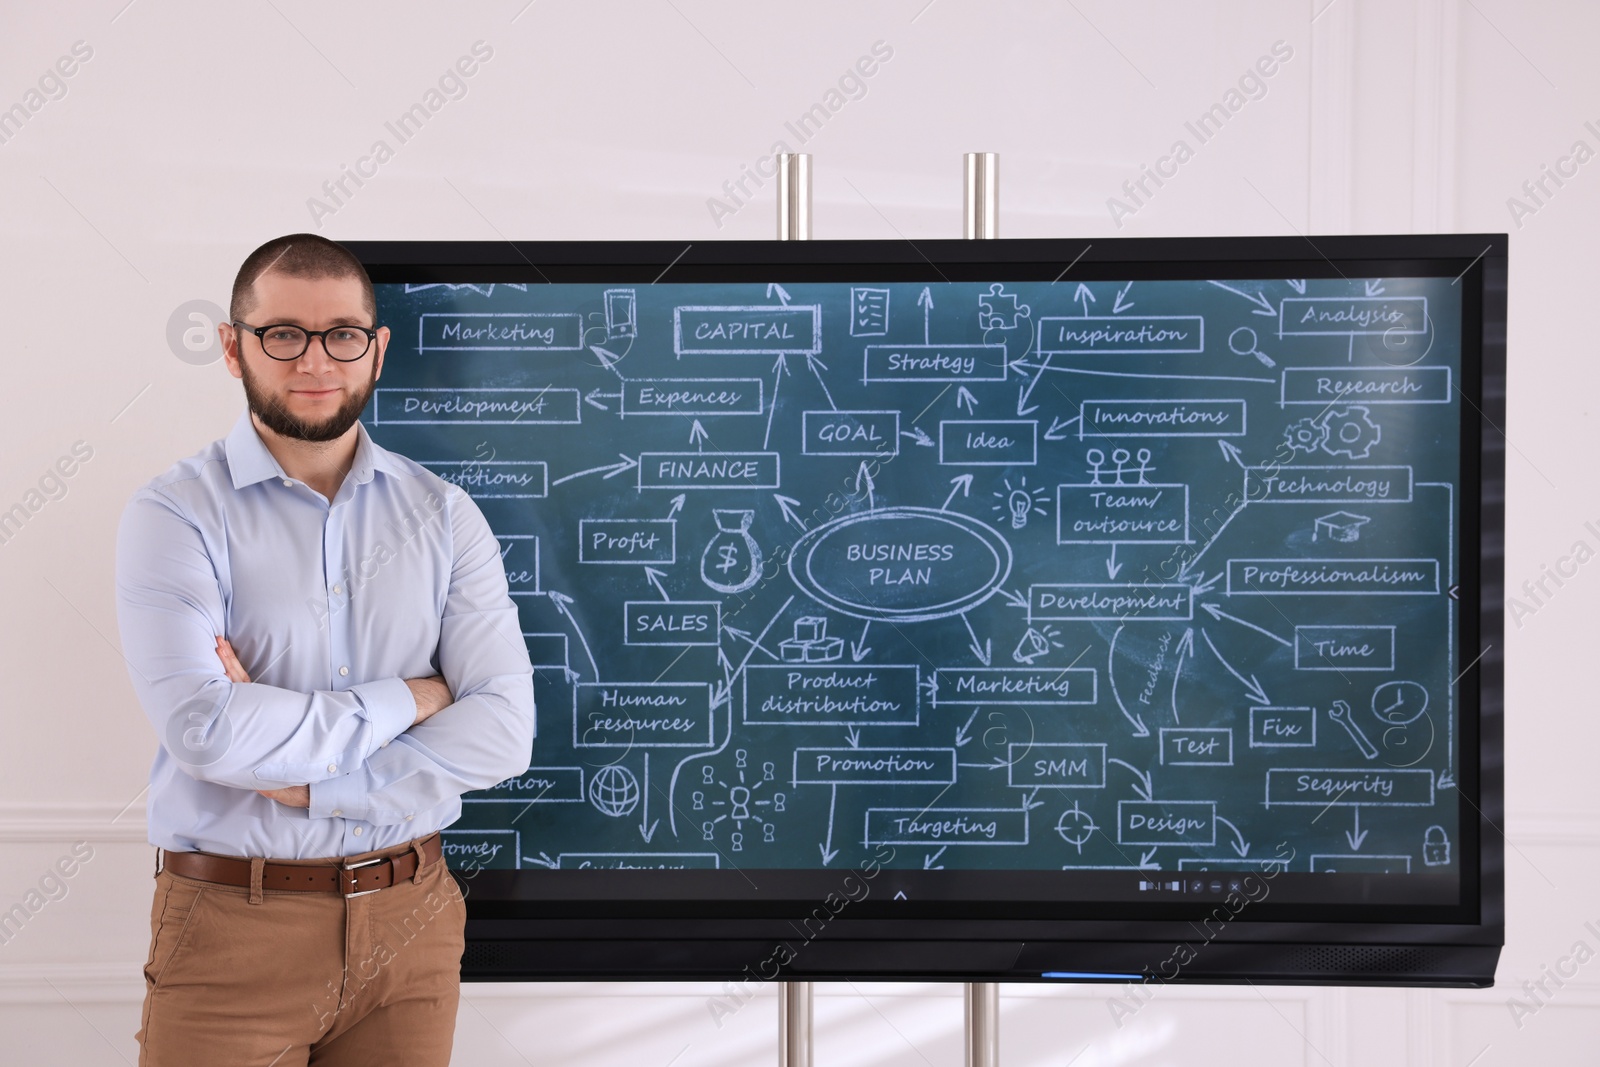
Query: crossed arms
x=466, y=728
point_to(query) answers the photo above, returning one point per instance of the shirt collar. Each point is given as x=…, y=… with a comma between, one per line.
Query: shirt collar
x=250, y=462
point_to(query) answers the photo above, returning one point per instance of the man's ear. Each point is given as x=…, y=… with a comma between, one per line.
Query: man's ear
x=230, y=348
x=382, y=343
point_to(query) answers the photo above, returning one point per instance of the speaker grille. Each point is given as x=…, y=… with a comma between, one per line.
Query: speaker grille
x=1369, y=960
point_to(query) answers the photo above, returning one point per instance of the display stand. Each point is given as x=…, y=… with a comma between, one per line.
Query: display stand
x=794, y=224
x=981, y=220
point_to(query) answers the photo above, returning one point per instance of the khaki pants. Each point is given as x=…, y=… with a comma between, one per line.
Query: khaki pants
x=303, y=978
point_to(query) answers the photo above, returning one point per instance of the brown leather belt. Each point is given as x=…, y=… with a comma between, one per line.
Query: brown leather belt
x=350, y=879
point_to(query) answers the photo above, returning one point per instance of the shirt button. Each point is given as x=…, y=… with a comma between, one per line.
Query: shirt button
x=337, y=812
x=356, y=831
x=287, y=482
x=408, y=818
x=344, y=670
x=383, y=744
x=333, y=768
x=337, y=590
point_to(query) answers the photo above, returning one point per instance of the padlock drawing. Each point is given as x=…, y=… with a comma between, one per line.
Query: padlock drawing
x=731, y=563
x=1435, y=847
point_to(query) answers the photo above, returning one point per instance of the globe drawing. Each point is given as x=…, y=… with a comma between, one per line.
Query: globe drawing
x=614, y=791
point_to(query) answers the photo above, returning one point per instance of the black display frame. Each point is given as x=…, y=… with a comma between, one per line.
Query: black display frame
x=699, y=925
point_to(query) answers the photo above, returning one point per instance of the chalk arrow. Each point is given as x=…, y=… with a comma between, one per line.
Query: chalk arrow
x=1112, y=566
x=780, y=365
x=1358, y=835
x=1083, y=294
x=826, y=848
x=541, y=860
x=961, y=731
x=1024, y=409
x=1297, y=284
x=753, y=642
x=1447, y=780
x=1254, y=298
x=859, y=649
x=863, y=475
x=1185, y=648
x=677, y=504
x=621, y=468
x=925, y=302
x=562, y=604
x=647, y=826
x=1240, y=845
x=985, y=651
x=1229, y=452
x=1119, y=307
x=697, y=434
x=1028, y=803
x=610, y=359
x=853, y=735
x=1374, y=286
x=927, y=861
x=788, y=503
x=1203, y=585
x=960, y=484
x=1139, y=728
x=1014, y=599
x=589, y=398
x=1218, y=613
x=783, y=297
x=611, y=469
x=1058, y=429
x=964, y=398
x=655, y=577
x=1252, y=687
x=1142, y=789
x=1147, y=861
x=813, y=362
x=916, y=434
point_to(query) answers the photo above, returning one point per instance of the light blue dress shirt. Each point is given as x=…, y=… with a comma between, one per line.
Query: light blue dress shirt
x=329, y=606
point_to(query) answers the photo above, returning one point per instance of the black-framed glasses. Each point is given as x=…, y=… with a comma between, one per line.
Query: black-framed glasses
x=285, y=341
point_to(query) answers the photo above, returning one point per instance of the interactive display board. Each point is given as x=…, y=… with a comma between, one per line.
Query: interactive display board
x=1114, y=586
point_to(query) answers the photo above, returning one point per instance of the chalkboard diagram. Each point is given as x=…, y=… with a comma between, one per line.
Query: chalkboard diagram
x=1004, y=575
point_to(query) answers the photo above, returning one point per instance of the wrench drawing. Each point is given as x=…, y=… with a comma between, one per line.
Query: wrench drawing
x=1340, y=713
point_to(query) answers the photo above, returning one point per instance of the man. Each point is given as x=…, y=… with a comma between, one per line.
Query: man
x=321, y=633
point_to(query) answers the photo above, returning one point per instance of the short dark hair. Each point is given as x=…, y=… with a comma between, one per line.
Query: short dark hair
x=298, y=255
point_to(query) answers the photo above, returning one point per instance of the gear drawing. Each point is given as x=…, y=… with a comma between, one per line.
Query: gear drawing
x=1307, y=435
x=1350, y=432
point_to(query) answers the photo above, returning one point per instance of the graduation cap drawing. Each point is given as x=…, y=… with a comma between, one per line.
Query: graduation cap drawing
x=1339, y=526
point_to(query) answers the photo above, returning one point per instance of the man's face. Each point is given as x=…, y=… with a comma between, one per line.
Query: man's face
x=315, y=397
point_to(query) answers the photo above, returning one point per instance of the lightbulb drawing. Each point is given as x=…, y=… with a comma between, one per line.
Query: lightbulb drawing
x=1020, y=502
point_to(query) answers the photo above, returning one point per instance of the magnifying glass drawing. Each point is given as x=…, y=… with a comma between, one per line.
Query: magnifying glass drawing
x=1243, y=343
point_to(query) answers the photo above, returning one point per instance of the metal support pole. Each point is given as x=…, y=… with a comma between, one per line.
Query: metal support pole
x=794, y=196
x=794, y=224
x=983, y=1024
x=982, y=199
x=794, y=1025
x=981, y=221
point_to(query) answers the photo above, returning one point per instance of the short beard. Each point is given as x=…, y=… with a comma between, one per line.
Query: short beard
x=275, y=417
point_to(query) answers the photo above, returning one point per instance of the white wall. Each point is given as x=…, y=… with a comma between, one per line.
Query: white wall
x=197, y=130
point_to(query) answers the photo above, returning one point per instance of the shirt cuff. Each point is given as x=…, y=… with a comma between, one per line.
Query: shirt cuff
x=343, y=797
x=389, y=706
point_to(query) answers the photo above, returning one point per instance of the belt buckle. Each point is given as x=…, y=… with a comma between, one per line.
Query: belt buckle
x=356, y=866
